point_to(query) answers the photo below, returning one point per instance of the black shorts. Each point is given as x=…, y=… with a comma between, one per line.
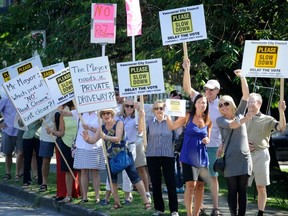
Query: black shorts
x=191, y=173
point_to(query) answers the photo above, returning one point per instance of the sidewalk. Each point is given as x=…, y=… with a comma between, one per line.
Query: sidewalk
x=78, y=210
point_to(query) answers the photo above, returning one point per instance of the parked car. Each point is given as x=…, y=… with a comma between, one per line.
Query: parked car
x=279, y=140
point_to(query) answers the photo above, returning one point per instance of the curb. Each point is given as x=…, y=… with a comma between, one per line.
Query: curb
x=45, y=202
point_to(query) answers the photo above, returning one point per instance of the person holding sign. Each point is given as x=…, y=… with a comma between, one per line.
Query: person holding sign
x=193, y=155
x=89, y=156
x=114, y=138
x=212, y=88
x=9, y=134
x=238, y=162
x=259, y=130
x=160, y=158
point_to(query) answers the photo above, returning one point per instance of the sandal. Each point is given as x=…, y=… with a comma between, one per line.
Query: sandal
x=18, y=177
x=67, y=200
x=43, y=188
x=83, y=201
x=147, y=206
x=116, y=206
x=216, y=212
x=6, y=177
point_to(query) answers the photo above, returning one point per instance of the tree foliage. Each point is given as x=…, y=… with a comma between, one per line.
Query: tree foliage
x=67, y=23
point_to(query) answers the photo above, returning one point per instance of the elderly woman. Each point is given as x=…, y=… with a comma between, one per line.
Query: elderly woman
x=114, y=138
x=160, y=158
x=238, y=166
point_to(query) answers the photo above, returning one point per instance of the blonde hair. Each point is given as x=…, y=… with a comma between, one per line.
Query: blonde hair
x=122, y=111
x=228, y=98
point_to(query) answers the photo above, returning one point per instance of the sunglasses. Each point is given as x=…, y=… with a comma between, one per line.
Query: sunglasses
x=129, y=106
x=158, y=108
x=207, y=89
x=224, y=104
x=105, y=113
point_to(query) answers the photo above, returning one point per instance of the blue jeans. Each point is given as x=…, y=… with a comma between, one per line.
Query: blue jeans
x=178, y=172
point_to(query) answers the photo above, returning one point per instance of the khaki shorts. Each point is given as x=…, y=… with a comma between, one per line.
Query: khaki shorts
x=261, y=167
x=140, y=159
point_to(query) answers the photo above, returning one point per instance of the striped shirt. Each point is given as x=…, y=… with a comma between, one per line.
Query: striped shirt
x=159, y=139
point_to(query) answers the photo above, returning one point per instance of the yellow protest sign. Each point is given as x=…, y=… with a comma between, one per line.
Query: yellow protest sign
x=266, y=56
x=139, y=76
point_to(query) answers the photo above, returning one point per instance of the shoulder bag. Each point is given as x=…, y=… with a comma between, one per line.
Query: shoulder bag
x=219, y=164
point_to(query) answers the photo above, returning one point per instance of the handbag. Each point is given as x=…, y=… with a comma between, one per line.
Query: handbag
x=119, y=162
x=219, y=164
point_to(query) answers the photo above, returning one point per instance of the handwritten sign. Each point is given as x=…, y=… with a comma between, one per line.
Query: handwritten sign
x=103, y=26
x=93, y=84
x=265, y=58
x=51, y=69
x=60, y=86
x=140, y=77
x=30, y=95
x=19, y=68
x=175, y=107
x=183, y=25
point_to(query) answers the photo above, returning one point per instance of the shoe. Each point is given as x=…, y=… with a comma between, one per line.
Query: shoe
x=148, y=195
x=18, y=177
x=216, y=212
x=174, y=214
x=203, y=212
x=43, y=188
x=83, y=201
x=157, y=213
x=58, y=198
x=180, y=190
x=66, y=200
x=116, y=206
x=128, y=201
x=6, y=177
x=26, y=185
x=104, y=203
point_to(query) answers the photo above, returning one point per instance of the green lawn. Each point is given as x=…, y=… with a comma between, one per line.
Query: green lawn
x=137, y=207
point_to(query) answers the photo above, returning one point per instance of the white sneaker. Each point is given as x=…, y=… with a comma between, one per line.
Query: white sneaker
x=174, y=214
x=158, y=213
x=149, y=197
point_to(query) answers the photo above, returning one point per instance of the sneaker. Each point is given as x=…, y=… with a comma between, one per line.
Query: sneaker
x=157, y=213
x=104, y=203
x=203, y=212
x=180, y=190
x=174, y=214
x=148, y=195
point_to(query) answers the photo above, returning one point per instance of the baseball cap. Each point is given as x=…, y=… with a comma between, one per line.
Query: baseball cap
x=212, y=84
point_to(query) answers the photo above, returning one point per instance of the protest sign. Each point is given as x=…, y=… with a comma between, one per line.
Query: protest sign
x=183, y=25
x=140, y=77
x=60, y=86
x=134, y=18
x=51, y=69
x=93, y=85
x=103, y=26
x=30, y=95
x=175, y=107
x=19, y=68
x=263, y=58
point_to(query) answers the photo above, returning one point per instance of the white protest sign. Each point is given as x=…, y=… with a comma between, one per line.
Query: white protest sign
x=93, y=84
x=175, y=107
x=60, y=86
x=265, y=58
x=140, y=77
x=30, y=95
x=19, y=68
x=51, y=69
x=183, y=25
x=103, y=26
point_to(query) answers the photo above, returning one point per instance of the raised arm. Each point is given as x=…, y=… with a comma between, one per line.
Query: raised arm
x=282, y=122
x=244, y=84
x=187, y=79
x=178, y=123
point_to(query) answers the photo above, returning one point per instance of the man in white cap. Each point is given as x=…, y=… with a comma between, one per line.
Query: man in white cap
x=212, y=88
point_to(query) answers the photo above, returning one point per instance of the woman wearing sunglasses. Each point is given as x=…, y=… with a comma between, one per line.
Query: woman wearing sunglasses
x=193, y=155
x=160, y=159
x=114, y=138
x=238, y=166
